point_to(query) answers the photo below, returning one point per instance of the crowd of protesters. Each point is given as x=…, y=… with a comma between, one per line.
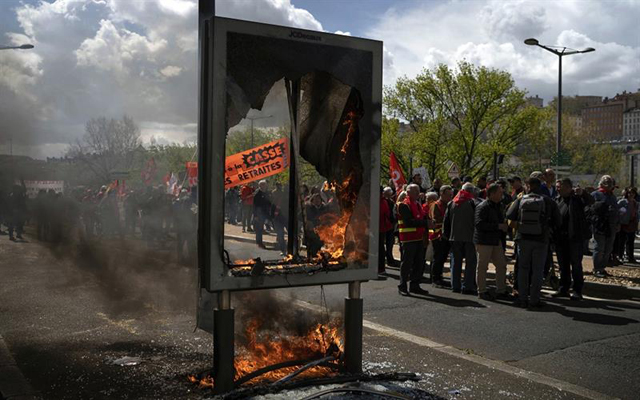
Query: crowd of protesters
x=463, y=223
x=152, y=214
x=260, y=209
x=469, y=225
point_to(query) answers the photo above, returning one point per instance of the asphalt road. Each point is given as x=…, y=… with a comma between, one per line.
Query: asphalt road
x=67, y=314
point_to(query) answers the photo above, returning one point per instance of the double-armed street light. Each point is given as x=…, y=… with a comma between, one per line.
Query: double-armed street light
x=560, y=51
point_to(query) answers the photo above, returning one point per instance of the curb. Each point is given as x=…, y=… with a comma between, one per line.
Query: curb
x=13, y=385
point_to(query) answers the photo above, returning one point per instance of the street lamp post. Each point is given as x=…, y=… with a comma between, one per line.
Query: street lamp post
x=560, y=52
x=255, y=119
x=22, y=47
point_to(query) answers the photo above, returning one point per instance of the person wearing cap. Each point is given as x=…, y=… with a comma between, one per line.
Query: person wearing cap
x=540, y=216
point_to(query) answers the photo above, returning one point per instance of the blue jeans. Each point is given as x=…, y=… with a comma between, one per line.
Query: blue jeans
x=532, y=257
x=602, y=251
x=463, y=251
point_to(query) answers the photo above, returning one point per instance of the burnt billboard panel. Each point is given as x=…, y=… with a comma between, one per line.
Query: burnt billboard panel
x=321, y=204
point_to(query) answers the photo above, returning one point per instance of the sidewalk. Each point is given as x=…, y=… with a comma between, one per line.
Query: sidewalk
x=234, y=232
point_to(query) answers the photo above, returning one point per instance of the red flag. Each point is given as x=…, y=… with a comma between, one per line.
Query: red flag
x=192, y=173
x=396, y=172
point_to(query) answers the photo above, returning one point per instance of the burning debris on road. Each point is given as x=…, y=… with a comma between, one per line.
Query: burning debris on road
x=276, y=341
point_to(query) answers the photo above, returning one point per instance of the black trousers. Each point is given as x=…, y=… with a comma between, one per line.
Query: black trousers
x=441, y=249
x=381, y=252
x=570, y=260
x=390, y=239
x=625, y=242
x=412, y=265
x=258, y=225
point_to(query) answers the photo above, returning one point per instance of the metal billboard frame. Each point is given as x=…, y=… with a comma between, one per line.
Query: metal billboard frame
x=212, y=135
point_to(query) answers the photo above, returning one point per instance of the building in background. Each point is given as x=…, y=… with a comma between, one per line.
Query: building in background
x=535, y=101
x=631, y=125
x=604, y=120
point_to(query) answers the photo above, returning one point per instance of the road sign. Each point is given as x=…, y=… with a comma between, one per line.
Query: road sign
x=453, y=171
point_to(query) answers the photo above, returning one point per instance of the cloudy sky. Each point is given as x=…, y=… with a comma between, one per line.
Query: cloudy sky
x=139, y=57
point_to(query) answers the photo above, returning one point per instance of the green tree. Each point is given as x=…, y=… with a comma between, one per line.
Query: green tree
x=463, y=115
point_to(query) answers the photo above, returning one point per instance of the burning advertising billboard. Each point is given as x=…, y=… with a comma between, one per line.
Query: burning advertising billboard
x=295, y=201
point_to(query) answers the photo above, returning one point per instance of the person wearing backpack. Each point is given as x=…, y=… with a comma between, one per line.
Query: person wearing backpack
x=536, y=216
x=605, y=222
x=458, y=227
x=569, y=239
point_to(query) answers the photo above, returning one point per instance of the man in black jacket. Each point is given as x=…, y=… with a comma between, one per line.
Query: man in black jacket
x=489, y=230
x=569, y=239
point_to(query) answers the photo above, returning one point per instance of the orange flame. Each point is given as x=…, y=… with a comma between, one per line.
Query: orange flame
x=352, y=121
x=263, y=350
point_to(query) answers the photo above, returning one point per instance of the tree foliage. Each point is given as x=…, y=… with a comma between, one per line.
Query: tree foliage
x=107, y=146
x=461, y=116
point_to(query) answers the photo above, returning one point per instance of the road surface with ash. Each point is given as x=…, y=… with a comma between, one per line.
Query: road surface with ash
x=69, y=321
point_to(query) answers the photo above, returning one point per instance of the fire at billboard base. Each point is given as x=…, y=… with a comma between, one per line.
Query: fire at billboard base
x=334, y=93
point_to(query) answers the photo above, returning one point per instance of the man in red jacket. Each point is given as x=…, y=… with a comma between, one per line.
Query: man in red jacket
x=386, y=226
x=412, y=224
x=246, y=196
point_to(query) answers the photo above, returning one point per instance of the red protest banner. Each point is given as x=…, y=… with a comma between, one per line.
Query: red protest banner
x=250, y=165
x=396, y=172
x=257, y=163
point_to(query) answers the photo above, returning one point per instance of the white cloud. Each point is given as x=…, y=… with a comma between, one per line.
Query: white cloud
x=171, y=71
x=278, y=12
x=514, y=19
x=111, y=57
x=115, y=49
x=492, y=34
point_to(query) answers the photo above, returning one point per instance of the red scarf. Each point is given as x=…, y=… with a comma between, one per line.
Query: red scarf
x=462, y=197
x=603, y=190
